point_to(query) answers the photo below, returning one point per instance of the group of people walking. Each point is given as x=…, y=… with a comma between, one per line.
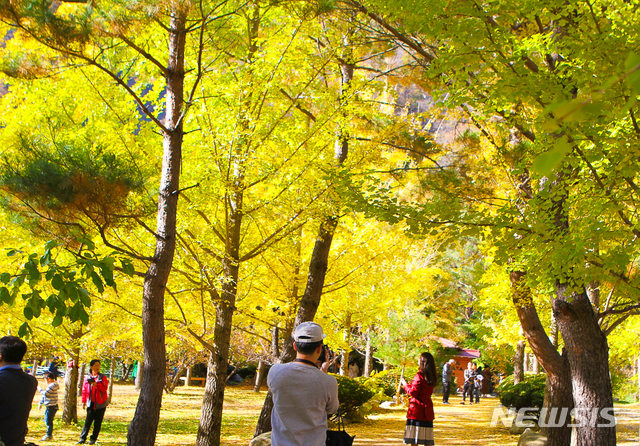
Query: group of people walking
x=18, y=388
x=476, y=381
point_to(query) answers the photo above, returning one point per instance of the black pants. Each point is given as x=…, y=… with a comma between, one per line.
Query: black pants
x=446, y=388
x=468, y=388
x=93, y=415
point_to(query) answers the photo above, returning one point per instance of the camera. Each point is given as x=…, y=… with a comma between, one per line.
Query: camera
x=324, y=355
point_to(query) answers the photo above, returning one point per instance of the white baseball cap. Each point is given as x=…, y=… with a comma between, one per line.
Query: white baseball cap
x=308, y=332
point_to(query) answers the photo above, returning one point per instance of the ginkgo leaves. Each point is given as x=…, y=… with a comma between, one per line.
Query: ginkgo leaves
x=59, y=281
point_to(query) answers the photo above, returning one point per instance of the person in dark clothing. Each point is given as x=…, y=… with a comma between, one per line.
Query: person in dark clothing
x=478, y=384
x=447, y=372
x=469, y=382
x=17, y=389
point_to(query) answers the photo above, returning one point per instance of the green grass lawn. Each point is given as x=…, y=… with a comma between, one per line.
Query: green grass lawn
x=179, y=418
x=455, y=424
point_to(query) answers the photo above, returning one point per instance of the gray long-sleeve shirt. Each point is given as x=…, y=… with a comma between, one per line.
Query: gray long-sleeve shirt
x=302, y=398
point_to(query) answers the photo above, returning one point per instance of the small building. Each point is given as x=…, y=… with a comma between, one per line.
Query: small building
x=463, y=356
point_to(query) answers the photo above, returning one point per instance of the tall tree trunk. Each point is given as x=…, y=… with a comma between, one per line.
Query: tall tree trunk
x=187, y=378
x=126, y=370
x=518, y=362
x=112, y=372
x=139, y=375
x=553, y=331
x=143, y=427
x=558, y=398
x=320, y=256
x=588, y=355
x=275, y=342
x=212, y=401
x=80, y=380
x=70, y=409
x=211, y=417
x=535, y=364
x=585, y=343
x=344, y=360
x=593, y=291
x=259, y=376
x=175, y=380
x=368, y=359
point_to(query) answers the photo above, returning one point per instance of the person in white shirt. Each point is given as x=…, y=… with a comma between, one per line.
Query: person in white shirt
x=303, y=395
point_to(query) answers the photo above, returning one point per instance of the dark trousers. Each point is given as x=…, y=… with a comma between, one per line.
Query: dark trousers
x=477, y=395
x=49, y=414
x=468, y=389
x=446, y=388
x=93, y=415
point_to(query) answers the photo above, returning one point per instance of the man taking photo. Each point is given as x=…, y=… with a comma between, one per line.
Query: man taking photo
x=303, y=395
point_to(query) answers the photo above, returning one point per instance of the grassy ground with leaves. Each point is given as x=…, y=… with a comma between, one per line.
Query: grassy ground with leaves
x=455, y=424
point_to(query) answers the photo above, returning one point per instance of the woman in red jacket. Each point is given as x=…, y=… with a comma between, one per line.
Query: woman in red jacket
x=420, y=415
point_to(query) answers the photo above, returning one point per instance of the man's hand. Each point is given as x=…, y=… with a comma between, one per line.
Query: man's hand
x=84, y=405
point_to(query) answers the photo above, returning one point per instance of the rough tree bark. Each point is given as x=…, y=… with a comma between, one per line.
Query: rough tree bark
x=173, y=382
x=225, y=302
x=126, y=370
x=344, y=360
x=558, y=394
x=368, y=359
x=70, y=409
x=139, y=376
x=588, y=355
x=518, y=362
x=112, y=372
x=320, y=255
x=80, y=380
x=211, y=416
x=535, y=364
x=143, y=427
x=259, y=376
x=585, y=343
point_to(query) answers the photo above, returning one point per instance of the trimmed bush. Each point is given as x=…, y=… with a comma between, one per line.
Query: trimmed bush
x=352, y=395
x=380, y=383
x=527, y=393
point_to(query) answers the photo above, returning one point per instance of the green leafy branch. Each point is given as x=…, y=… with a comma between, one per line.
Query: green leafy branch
x=42, y=282
x=581, y=109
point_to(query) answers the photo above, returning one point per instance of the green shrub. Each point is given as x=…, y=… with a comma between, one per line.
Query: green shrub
x=380, y=383
x=623, y=384
x=527, y=393
x=352, y=394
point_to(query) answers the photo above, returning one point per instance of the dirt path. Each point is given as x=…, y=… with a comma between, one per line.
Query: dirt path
x=458, y=424
x=455, y=424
